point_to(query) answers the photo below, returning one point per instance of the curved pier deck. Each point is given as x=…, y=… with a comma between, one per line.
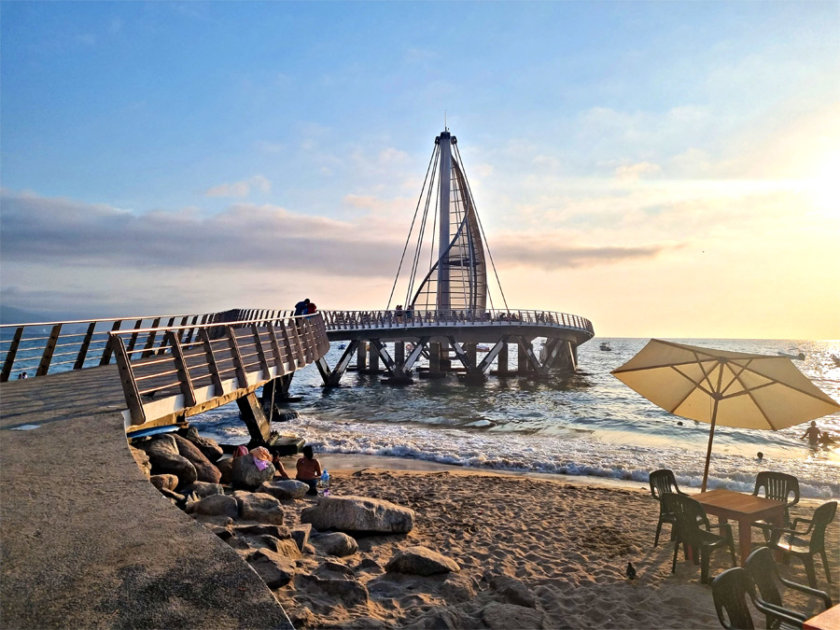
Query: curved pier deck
x=87, y=541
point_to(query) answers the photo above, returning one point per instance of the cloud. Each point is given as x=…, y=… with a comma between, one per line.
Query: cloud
x=633, y=172
x=547, y=254
x=241, y=188
x=245, y=236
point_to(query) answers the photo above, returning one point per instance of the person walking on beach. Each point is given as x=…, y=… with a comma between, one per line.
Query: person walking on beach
x=309, y=470
x=813, y=434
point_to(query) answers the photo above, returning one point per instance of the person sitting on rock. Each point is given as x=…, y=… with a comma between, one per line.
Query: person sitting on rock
x=280, y=470
x=309, y=470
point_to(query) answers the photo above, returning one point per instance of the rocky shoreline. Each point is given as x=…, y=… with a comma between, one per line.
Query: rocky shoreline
x=272, y=523
x=456, y=549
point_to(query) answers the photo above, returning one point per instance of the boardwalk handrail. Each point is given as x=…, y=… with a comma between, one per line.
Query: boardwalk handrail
x=191, y=373
x=40, y=348
x=356, y=320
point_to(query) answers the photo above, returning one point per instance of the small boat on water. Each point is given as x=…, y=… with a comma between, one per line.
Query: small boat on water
x=605, y=347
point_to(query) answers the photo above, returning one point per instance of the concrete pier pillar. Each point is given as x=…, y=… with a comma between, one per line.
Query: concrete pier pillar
x=399, y=353
x=523, y=366
x=435, y=368
x=502, y=367
x=373, y=359
x=471, y=352
x=252, y=415
x=361, y=357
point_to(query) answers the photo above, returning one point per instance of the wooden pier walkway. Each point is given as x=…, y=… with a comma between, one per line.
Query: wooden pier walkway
x=86, y=540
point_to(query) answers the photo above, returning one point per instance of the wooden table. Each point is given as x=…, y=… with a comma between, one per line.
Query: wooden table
x=826, y=620
x=744, y=509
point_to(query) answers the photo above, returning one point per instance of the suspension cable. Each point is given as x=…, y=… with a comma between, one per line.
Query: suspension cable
x=483, y=235
x=410, y=230
x=417, y=251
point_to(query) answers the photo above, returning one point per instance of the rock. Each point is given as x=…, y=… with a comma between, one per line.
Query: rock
x=300, y=535
x=275, y=570
x=177, y=499
x=258, y=506
x=329, y=568
x=205, y=469
x=504, y=616
x=170, y=482
x=348, y=591
x=141, y=459
x=215, y=505
x=369, y=564
x=263, y=530
x=225, y=467
x=421, y=561
x=160, y=444
x=166, y=463
x=246, y=474
x=513, y=590
x=335, y=544
x=285, y=489
x=204, y=489
x=359, y=514
x=210, y=448
x=222, y=526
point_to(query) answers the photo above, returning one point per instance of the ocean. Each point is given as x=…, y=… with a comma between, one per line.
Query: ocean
x=589, y=425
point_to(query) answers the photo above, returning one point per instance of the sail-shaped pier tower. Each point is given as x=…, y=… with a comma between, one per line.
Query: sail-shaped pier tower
x=449, y=320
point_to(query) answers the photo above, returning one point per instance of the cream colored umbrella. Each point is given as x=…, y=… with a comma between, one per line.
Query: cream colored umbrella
x=733, y=389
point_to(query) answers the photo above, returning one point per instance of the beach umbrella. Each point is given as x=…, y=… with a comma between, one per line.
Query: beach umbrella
x=733, y=389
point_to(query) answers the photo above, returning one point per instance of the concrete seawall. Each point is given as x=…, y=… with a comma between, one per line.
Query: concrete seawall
x=87, y=541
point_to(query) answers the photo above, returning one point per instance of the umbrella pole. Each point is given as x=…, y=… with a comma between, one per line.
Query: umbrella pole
x=709, y=449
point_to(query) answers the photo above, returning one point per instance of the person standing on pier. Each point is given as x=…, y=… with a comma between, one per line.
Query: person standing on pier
x=302, y=307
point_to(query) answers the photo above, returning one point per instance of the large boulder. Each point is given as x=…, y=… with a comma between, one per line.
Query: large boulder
x=225, y=466
x=203, y=489
x=170, y=482
x=359, y=514
x=335, y=544
x=210, y=448
x=250, y=474
x=285, y=489
x=165, y=463
x=258, y=506
x=204, y=468
x=165, y=459
x=274, y=569
x=215, y=505
x=421, y=561
x=141, y=459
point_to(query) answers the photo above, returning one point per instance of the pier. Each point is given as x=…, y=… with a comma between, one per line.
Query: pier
x=87, y=541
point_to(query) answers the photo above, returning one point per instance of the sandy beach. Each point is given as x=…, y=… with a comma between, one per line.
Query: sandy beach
x=532, y=552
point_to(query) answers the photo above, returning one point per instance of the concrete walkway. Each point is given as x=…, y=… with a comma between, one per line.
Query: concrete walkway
x=86, y=541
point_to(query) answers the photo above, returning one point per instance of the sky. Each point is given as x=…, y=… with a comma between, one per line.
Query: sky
x=664, y=169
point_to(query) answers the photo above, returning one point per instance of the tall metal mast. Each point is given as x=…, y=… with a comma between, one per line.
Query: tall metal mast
x=444, y=302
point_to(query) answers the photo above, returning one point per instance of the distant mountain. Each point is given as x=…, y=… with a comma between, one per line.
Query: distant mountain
x=14, y=315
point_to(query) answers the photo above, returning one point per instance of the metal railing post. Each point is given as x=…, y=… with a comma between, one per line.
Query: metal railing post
x=132, y=394
x=80, y=359
x=106, y=353
x=236, y=355
x=212, y=366
x=181, y=366
x=46, y=359
x=10, y=355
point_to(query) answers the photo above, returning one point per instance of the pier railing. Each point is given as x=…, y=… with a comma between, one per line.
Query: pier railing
x=354, y=320
x=197, y=368
x=41, y=348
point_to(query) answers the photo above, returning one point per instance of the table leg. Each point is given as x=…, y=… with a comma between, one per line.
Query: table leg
x=744, y=538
